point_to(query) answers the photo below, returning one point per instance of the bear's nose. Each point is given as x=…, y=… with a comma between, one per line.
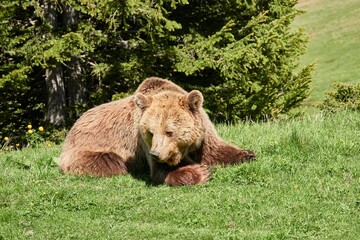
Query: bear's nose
x=154, y=153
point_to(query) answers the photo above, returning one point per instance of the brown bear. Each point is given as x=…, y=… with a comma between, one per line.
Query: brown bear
x=161, y=127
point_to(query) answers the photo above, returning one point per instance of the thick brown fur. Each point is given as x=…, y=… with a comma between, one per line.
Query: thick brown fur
x=161, y=126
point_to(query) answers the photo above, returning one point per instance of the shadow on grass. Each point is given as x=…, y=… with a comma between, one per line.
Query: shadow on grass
x=145, y=177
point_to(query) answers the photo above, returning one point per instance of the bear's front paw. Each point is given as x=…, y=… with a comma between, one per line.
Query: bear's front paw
x=242, y=156
x=249, y=155
x=188, y=175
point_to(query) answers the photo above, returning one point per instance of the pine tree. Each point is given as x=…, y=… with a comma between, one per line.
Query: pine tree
x=243, y=55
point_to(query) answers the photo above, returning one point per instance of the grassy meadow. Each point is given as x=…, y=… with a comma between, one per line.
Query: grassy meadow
x=305, y=184
x=334, y=33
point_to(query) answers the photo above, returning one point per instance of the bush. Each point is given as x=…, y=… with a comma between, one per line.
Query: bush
x=30, y=137
x=346, y=96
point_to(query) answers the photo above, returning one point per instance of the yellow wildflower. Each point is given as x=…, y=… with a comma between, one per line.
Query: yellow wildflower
x=41, y=129
x=29, y=126
x=6, y=139
x=30, y=131
x=17, y=145
x=49, y=145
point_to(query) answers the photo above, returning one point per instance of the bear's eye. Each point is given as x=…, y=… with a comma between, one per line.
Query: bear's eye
x=169, y=134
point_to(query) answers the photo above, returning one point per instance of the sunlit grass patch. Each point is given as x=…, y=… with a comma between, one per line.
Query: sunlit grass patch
x=305, y=183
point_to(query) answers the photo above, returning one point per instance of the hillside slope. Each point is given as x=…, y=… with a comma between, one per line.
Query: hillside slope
x=334, y=33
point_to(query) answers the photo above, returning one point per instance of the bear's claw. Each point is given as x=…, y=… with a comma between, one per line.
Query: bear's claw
x=249, y=155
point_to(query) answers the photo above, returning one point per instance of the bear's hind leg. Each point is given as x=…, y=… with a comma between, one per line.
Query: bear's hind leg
x=99, y=164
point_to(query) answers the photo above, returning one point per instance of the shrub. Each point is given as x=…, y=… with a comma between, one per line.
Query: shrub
x=346, y=96
x=29, y=136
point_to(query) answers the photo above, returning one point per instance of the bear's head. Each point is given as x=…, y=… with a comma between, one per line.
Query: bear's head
x=171, y=124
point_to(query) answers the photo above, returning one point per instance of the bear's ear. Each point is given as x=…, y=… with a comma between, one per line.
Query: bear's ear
x=142, y=101
x=195, y=100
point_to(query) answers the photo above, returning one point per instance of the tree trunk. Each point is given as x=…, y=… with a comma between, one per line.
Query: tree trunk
x=75, y=84
x=55, y=113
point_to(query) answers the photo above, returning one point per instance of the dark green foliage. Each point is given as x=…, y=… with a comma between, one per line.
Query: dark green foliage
x=241, y=54
x=22, y=103
x=246, y=62
x=117, y=43
x=347, y=96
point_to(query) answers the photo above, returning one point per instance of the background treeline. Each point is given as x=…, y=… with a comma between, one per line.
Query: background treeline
x=59, y=58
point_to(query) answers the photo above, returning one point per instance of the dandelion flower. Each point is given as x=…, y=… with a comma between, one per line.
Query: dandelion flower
x=41, y=129
x=29, y=126
x=17, y=145
x=49, y=145
x=6, y=139
x=30, y=131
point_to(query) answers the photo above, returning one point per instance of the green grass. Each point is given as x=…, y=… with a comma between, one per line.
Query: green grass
x=305, y=184
x=333, y=28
